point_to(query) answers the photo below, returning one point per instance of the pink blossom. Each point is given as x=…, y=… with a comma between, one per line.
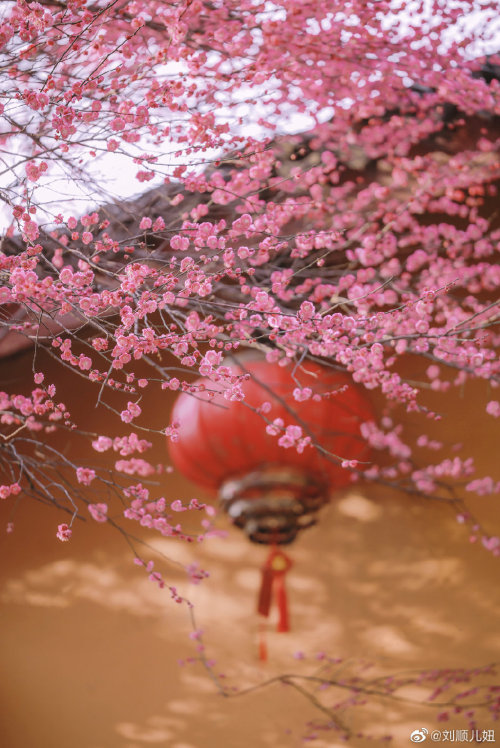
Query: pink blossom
x=64, y=532
x=102, y=443
x=276, y=427
x=84, y=362
x=85, y=475
x=66, y=275
x=177, y=506
x=491, y=543
x=196, y=575
x=302, y=394
x=99, y=512
x=159, y=224
x=307, y=310
x=493, y=408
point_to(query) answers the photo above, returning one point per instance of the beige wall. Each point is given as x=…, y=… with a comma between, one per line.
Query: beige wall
x=89, y=647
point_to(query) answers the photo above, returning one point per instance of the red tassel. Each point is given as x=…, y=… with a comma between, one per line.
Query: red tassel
x=266, y=591
x=262, y=645
x=281, y=599
x=273, y=581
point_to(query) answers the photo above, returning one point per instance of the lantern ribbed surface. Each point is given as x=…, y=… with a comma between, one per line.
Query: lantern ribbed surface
x=220, y=439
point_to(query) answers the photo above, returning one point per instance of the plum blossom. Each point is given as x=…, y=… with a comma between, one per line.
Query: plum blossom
x=132, y=411
x=493, y=408
x=64, y=532
x=85, y=475
x=99, y=512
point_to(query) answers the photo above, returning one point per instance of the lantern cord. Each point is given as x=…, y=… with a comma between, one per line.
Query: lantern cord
x=273, y=583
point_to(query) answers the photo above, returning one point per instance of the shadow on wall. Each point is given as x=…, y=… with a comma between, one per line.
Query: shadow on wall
x=93, y=647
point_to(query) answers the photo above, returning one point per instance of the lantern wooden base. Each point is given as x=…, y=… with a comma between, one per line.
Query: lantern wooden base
x=273, y=504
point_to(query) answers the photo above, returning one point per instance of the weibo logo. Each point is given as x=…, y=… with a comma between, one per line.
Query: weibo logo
x=418, y=736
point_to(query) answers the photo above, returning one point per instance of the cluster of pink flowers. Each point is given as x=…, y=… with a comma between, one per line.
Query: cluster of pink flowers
x=125, y=445
x=289, y=436
x=135, y=466
x=153, y=513
x=154, y=576
x=132, y=411
x=287, y=245
x=11, y=489
x=34, y=411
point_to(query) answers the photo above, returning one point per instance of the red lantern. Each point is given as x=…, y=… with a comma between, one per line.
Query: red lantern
x=269, y=491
